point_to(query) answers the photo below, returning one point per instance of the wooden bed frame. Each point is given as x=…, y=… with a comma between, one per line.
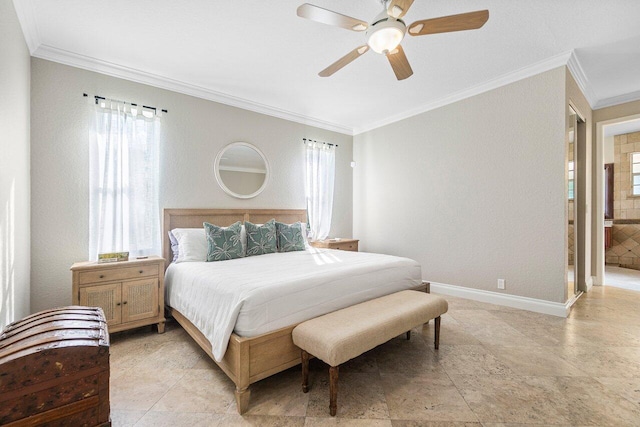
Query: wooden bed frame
x=247, y=360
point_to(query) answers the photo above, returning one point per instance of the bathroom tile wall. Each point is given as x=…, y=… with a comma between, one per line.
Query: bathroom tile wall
x=571, y=237
x=625, y=206
x=625, y=247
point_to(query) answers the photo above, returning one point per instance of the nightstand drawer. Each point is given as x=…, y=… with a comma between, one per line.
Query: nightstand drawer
x=346, y=246
x=117, y=274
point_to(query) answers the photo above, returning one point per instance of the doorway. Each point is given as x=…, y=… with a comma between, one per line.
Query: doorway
x=576, y=209
x=617, y=259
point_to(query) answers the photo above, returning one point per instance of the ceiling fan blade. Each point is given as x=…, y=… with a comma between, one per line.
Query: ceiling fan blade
x=399, y=8
x=349, y=57
x=447, y=24
x=329, y=17
x=399, y=63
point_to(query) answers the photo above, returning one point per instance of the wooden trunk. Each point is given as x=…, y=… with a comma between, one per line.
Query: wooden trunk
x=54, y=369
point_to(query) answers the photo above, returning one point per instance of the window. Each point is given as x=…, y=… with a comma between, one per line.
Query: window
x=635, y=174
x=124, y=173
x=571, y=180
x=320, y=159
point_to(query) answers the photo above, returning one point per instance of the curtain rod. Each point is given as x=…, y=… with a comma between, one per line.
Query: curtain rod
x=304, y=141
x=135, y=105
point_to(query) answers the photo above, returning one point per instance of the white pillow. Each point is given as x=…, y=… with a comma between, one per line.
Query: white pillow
x=305, y=232
x=243, y=240
x=193, y=245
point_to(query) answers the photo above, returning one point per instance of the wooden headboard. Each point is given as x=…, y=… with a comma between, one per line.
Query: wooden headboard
x=193, y=218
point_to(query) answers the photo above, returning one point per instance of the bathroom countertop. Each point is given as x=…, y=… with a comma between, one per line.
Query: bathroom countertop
x=626, y=221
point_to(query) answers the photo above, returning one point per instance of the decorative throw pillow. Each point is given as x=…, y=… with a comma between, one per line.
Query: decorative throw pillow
x=224, y=242
x=290, y=237
x=261, y=239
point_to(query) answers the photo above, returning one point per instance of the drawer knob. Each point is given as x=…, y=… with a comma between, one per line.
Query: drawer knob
x=124, y=302
x=102, y=276
x=118, y=303
x=141, y=271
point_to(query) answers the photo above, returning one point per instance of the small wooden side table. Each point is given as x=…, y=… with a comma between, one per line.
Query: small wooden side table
x=131, y=293
x=341, y=244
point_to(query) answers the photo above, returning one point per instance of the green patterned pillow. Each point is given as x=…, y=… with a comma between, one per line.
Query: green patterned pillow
x=223, y=242
x=261, y=239
x=290, y=237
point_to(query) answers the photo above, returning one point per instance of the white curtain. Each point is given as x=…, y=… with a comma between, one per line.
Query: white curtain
x=320, y=173
x=124, y=174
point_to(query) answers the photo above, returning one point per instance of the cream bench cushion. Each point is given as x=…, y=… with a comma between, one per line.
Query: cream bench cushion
x=344, y=334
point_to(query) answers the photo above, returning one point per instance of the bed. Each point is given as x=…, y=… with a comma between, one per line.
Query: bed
x=266, y=347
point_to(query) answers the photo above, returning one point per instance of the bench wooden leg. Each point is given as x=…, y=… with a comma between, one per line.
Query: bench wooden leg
x=408, y=335
x=305, y=371
x=436, y=341
x=333, y=390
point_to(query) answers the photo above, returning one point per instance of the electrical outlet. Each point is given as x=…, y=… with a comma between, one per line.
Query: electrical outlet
x=502, y=284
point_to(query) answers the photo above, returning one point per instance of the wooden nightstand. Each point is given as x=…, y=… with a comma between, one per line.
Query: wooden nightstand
x=131, y=293
x=342, y=244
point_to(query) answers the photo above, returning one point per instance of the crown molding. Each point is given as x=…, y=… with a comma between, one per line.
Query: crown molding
x=24, y=10
x=108, y=68
x=576, y=70
x=103, y=67
x=512, y=77
x=616, y=100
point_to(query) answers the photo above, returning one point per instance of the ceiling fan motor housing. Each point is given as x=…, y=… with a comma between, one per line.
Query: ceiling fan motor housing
x=385, y=34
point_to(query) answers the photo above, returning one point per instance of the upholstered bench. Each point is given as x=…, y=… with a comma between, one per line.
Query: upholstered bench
x=344, y=334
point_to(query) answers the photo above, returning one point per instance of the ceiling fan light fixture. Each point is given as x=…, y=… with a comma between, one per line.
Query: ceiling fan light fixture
x=385, y=36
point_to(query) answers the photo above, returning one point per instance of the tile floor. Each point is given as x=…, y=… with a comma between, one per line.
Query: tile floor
x=496, y=367
x=622, y=277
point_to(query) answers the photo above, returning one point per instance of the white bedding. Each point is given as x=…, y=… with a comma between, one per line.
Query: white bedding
x=260, y=294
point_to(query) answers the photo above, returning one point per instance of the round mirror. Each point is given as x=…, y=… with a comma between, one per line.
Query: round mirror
x=241, y=170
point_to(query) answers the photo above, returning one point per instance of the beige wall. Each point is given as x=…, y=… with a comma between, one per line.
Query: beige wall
x=609, y=155
x=14, y=168
x=615, y=112
x=474, y=191
x=193, y=132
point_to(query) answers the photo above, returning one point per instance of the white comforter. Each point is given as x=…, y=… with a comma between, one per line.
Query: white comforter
x=260, y=294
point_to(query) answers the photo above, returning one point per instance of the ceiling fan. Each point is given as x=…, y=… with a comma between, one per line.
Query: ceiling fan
x=387, y=30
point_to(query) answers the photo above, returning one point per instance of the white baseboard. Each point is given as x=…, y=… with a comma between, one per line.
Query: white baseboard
x=514, y=301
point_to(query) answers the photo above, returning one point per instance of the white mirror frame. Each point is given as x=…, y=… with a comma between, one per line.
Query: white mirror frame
x=216, y=165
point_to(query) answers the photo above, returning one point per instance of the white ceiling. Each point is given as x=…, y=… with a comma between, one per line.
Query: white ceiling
x=622, y=128
x=259, y=55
